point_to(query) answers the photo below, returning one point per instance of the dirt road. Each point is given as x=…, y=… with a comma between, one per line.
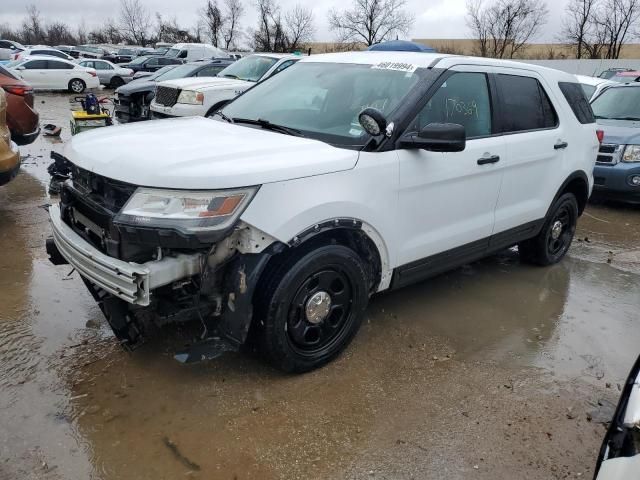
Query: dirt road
x=494, y=371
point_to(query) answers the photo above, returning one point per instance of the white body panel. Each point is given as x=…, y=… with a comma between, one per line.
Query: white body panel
x=177, y=153
x=413, y=203
x=190, y=52
x=56, y=79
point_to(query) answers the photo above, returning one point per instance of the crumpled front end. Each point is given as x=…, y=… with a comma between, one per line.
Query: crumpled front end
x=144, y=277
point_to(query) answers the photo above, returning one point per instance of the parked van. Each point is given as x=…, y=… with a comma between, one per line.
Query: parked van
x=190, y=52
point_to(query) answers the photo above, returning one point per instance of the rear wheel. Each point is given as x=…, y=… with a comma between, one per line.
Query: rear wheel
x=116, y=82
x=77, y=86
x=312, y=306
x=554, y=240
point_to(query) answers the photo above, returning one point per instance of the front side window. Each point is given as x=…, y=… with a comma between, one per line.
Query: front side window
x=463, y=99
x=36, y=65
x=250, y=68
x=210, y=71
x=525, y=105
x=323, y=100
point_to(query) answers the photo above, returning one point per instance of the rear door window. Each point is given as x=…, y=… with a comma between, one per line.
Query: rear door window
x=525, y=104
x=55, y=65
x=578, y=102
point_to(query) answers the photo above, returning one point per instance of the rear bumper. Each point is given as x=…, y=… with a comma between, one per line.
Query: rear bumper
x=613, y=181
x=131, y=282
x=9, y=162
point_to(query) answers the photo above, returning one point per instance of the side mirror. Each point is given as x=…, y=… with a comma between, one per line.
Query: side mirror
x=436, y=137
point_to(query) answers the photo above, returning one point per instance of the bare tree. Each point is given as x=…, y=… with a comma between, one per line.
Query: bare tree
x=299, y=26
x=614, y=21
x=371, y=21
x=33, y=31
x=578, y=25
x=135, y=21
x=506, y=26
x=233, y=13
x=214, y=21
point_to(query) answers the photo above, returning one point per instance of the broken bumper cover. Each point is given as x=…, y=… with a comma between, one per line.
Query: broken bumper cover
x=131, y=282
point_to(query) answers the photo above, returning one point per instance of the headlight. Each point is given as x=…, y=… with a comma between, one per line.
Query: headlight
x=631, y=154
x=185, y=210
x=191, y=97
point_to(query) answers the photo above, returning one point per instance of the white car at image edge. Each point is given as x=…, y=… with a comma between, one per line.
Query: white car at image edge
x=49, y=73
x=347, y=175
x=187, y=97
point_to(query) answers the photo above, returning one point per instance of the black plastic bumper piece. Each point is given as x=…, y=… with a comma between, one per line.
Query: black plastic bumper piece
x=55, y=257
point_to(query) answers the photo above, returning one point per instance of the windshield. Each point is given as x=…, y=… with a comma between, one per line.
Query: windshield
x=250, y=68
x=172, y=52
x=91, y=49
x=624, y=78
x=180, y=71
x=126, y=51
x=618, y=103
x=323, y=100
x=138, y=61
x=161, y=50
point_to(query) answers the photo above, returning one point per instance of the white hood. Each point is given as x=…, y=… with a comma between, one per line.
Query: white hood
x=206, y=83
x=200, y=153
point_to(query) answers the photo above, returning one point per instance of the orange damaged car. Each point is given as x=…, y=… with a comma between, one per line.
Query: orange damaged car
x=9, y=154
x=22, y=119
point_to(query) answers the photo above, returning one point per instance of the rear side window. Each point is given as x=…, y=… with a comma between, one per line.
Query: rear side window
x=578, y=102
x=55, y=65
x=36, y=65
x=525, y=105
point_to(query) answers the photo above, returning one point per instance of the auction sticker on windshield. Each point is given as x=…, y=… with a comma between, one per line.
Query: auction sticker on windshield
x=400, y=67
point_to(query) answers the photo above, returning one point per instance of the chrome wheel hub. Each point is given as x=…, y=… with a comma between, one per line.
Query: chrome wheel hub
x=556, y=230
x=317, y=307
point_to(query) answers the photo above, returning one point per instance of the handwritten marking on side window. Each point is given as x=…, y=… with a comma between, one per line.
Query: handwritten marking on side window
x=458, y=107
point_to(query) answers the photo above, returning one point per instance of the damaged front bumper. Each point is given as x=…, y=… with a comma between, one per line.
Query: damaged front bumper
x=128, y=281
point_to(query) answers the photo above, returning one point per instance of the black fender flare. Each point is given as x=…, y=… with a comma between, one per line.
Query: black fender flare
x=577, y=175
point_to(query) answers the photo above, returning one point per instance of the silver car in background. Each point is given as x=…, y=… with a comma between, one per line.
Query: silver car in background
x=109, y=74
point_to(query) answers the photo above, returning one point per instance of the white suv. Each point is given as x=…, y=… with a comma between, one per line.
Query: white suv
x=345, y=176
x=186, y=97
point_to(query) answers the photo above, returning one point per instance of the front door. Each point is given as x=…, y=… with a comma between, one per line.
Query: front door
x=447, y=200
x=34, y=72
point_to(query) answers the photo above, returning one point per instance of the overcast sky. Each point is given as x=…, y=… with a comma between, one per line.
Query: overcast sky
x=433, y=18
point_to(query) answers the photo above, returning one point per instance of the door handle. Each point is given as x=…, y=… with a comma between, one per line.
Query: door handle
x=560, y=145
x=491, y=159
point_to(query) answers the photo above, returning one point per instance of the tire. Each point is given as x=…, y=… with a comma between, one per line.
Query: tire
x=116, y=82
x=77, y=86
x=311, y=307
x=554, y=240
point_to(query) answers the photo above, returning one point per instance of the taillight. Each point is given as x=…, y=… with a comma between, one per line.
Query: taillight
x=93, y=74
x=600, y=135
x=18, y=89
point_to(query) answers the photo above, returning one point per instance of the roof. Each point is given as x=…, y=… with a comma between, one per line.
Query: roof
x=428, y=60
x=46, y=57
x=595, y=81
x=274, y=55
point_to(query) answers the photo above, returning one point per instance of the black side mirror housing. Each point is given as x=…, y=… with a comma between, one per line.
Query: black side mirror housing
x=436, y=137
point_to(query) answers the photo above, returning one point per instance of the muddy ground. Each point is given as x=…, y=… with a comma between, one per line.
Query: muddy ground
x=497, y=370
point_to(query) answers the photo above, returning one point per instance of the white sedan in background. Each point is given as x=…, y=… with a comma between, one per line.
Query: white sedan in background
x=47, y=73
x=109, y=74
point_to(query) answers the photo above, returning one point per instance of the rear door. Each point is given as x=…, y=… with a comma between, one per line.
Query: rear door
x=59, y=73
x=536, y=145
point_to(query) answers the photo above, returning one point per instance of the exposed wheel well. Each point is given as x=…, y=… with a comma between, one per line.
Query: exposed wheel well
x=580, y=188
x=354, y=238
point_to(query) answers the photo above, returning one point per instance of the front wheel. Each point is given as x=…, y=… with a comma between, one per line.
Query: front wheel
x=77, y=86
x=116, y=82
x=312, y=306
x=554, y=240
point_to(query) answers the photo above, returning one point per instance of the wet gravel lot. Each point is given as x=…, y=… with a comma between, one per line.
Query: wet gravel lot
x=497, y=370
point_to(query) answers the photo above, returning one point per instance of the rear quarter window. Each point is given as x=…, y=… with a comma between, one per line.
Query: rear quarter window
x=578, y=101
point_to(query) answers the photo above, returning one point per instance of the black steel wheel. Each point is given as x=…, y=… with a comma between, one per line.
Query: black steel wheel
x=311, y=307
x=554, y=240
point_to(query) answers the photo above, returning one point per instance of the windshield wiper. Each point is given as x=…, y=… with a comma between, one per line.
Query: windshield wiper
x=267, y=125
x=602, y=117
x=228, y=75
x=223, y=116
